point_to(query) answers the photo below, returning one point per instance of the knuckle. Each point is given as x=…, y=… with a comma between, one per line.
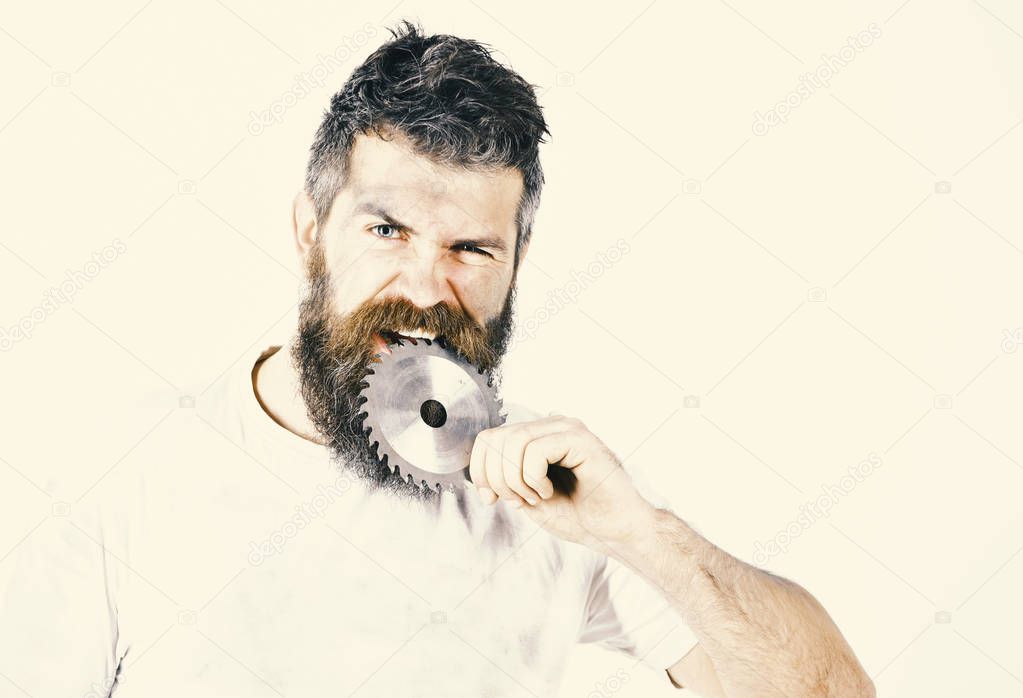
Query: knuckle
x=533, y=480
x=570, y=422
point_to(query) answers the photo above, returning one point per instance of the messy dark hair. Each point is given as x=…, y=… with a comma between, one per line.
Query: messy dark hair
x=451, y=99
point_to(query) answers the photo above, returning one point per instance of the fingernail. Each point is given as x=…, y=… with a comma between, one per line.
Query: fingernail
x=531, y=500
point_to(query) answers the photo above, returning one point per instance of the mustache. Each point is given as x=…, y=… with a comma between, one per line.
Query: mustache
x=449, y=324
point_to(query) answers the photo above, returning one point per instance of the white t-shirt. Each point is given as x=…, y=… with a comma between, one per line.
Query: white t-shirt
x=240, y=562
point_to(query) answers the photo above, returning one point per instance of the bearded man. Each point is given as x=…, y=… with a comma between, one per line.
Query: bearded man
x=416, y=215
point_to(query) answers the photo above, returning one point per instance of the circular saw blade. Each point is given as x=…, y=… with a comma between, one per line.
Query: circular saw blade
x=424, y=406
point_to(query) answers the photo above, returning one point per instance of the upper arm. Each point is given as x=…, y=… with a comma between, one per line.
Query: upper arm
x=696, y=672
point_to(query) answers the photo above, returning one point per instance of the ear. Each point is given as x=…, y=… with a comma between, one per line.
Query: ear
x=303, y=223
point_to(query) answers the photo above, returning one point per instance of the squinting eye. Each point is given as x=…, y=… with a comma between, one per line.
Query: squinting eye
x=466, y=247
x=387, y=226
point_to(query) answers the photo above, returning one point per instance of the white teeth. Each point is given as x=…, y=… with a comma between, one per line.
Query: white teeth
x=418, y=334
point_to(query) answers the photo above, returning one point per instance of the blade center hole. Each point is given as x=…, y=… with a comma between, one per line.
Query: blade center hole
x=433, y=413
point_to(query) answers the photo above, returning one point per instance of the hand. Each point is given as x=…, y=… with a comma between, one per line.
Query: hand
x=510, y=463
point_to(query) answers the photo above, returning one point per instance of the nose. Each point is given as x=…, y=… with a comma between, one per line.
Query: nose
x=424, y=282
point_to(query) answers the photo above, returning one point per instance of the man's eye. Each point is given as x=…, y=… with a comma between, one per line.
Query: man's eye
x=387, y=227
x=467, y=247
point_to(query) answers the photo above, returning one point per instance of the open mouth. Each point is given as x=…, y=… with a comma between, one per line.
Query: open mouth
x=383, y=338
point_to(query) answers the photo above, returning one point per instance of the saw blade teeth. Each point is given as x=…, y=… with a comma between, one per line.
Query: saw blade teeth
x=375, y=399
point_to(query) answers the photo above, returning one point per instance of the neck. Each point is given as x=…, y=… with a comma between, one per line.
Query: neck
x=278, y=389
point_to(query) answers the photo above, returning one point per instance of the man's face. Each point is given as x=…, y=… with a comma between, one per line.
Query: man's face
x=411, y=247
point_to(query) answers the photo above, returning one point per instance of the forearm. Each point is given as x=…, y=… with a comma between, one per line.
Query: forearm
x=766, y=635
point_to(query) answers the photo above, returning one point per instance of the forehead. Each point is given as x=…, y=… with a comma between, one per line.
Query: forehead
x=391, y=172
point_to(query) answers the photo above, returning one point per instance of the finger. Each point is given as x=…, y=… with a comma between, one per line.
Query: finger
x=477, y=469
x=493, y=463
x=515, y=439
x=511, y=456
x=535, y=466
x=538, y=456
x=492, y=455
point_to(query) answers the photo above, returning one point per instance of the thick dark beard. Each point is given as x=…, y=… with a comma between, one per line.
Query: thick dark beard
x=333, y=354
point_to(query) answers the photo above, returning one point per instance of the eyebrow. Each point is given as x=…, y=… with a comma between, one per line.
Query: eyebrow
x=375, y=209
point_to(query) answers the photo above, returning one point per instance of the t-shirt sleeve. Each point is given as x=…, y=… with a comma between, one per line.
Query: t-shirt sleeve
x=58, y=616
x=628, y=614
